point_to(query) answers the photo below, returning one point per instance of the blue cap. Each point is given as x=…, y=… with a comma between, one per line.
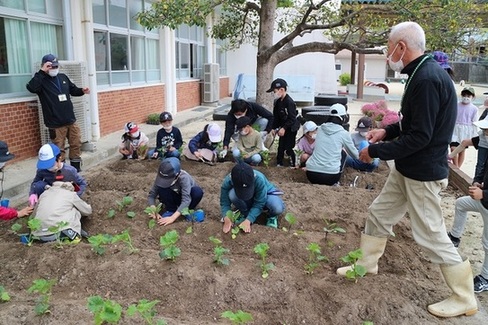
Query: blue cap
x=50, y=58
x=47, y=156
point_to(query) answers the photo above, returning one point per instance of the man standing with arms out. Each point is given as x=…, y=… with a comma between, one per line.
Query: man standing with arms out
x=55, y=90
x=418, y=143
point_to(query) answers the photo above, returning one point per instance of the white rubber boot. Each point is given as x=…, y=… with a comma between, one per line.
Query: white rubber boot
x=373, y=248
x=459, y=279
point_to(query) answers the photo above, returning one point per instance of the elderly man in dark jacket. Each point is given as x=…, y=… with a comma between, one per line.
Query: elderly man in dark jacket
x=418, y=144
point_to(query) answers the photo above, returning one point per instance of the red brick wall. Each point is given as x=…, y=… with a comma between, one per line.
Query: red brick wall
x=19, y=128
x=188, y=94
x=118, y=107
x=224, y=87
x=19, y=125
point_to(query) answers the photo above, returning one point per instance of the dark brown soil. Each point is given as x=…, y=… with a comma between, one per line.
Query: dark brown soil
x=193, y=290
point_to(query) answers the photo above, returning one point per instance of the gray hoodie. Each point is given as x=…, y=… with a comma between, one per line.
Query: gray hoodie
x=331, y=139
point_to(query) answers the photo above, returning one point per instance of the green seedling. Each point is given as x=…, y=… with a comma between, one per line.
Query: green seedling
x=262, y=250
x=125, y=238
x=57, y=231
x=125, y=202
x=16, y=228
x=189, y=212
x=291, y=219
x=99, y=241
x=219, y=251
x=104, y=310
x=131, y=214
x=33, y=225
x=239, y=317
x=234, y=216
x=151, y=224
x=153, y=210
x=368, y=322
x=168, y=242
x=331, y=227
x=266, y=157
x=43, y=288
x=4, y=296
x=314, y=257
x=145, y=309
x=111, y=213
x=357, y=271
x=298, y=153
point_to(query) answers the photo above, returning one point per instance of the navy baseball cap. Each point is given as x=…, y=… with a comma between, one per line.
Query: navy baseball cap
x=50, y=58
x=242, y=176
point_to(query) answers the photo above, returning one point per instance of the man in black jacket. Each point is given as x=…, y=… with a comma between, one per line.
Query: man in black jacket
x=55, y=90
x=259, y=116
x=418, y=144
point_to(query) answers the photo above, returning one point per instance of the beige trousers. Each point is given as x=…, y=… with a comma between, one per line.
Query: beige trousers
x=422, y=202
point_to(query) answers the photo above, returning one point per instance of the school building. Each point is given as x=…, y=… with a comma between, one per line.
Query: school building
x=131, y=71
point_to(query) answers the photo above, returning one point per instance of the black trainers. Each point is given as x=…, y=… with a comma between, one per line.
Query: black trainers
x=480, y=284
x=455, y=241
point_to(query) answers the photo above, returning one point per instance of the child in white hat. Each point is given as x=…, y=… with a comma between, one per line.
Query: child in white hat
x=306, y=143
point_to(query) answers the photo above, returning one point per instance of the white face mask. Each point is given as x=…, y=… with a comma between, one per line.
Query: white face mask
x=277, y=95
x=53, y=72
x=135, y=134
x=363, y=133
x=396, y=66
x=466, y=100
x=313, y=136
x=168, y=127
x=239, y=116
x=243, y=132
x=54, y=168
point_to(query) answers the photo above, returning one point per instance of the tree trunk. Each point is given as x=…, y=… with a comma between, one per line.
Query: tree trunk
x=265, y=60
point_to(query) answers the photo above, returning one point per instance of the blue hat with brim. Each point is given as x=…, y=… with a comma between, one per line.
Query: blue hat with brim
x=47, y=156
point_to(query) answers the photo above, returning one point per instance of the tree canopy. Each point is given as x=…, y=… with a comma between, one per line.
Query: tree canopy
x=349, y=25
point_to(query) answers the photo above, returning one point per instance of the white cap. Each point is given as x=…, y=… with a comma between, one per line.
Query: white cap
x=483, y=124
x=309, y=126
x=338, y=110
x=214, y=132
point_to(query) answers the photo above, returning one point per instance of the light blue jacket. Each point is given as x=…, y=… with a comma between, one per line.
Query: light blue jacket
x=331, y=139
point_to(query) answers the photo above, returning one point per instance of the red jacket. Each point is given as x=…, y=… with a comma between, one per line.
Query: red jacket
x=7, y=213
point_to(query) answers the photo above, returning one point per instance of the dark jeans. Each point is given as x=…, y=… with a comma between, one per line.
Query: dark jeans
x=327, y=179
x=172, y=199
x=286, y=144
x=480, y=165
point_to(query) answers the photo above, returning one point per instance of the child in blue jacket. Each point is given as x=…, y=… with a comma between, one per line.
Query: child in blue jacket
x=50, y=168
x=204, y=145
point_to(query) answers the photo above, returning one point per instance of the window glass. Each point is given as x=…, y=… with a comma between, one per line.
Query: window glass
x=118, y=52
x=99, y=14
x=37, y=6
x=14, y=54
x=15, y=4
x=152, y=54
x=135, y=7
x=137, y=53
x=45, y=39
x=101, y=51
x=117, y=13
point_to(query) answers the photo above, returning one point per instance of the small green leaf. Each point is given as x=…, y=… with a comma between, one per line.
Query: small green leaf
x=111, y=213
x=16, y=227
x=151, y=224
x=189, y=230
x=131, y=214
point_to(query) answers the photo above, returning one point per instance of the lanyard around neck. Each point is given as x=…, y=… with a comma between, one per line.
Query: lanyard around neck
x=410, y=79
